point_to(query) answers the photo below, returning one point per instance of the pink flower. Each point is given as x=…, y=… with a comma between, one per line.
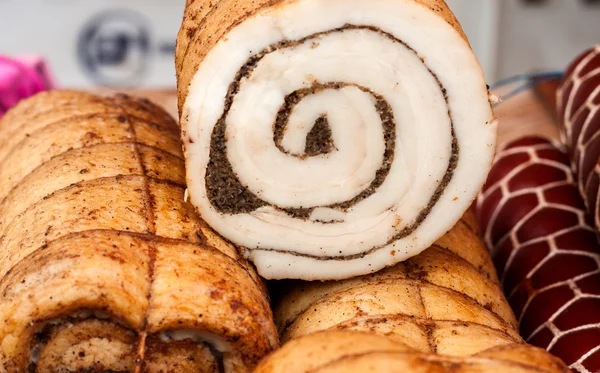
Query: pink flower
x=21, y=78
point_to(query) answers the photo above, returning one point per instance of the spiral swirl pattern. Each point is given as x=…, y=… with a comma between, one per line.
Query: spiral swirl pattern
x=334, y=145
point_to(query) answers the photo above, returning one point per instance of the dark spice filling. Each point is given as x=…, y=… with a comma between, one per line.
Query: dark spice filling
x=389, y=127
x=229, y=196
x=218, y=357
x=319, y=140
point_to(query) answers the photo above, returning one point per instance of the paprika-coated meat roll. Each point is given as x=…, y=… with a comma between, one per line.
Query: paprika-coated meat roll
x=103, y=266
x=545, y=249
x=331, y=138
x=578, y=101
x=441, y=311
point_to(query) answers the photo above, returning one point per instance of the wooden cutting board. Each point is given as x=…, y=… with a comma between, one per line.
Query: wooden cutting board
x=529, y=113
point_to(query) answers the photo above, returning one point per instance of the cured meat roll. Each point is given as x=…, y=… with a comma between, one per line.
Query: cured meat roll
x=331, y=138
x=103, y=267
x=441, y=311
x=579, y=113
x=545, y=250
x=356, y=352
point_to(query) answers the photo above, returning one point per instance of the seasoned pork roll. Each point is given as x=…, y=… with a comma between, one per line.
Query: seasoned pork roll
x=441, y=311
x=103, y=267
x=359, y=352
x=331, y=138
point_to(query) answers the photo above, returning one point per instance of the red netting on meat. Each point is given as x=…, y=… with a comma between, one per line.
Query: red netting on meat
x=578, y=101
x=545, y=250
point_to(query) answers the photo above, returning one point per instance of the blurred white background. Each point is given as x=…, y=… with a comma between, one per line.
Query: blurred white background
x=517, y=36
x=131, y=42
x=127, y=43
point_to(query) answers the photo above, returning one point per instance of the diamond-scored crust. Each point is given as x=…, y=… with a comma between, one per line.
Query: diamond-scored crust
x=437, y=286
x=440, y=311
x=93, y=226
x=351, y=351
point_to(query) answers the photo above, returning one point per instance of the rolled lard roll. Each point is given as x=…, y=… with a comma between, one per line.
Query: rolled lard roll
x=103, y=267
x=578, y=101
x=441, y=311
x=545, y=249
x=331, y=138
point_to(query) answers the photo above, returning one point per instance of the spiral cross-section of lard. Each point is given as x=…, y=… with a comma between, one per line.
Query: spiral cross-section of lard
x=441, y=311
x=545, y=249
x=578, y=101
x=103, y=267
x=331, y=138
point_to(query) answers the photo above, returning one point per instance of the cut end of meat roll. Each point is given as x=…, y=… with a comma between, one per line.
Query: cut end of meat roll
x=83, y=342
x=331, y=138
x=103, y=266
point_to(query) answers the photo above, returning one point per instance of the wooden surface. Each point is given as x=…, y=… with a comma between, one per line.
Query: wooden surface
x=523, y=115
x=546, y=92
